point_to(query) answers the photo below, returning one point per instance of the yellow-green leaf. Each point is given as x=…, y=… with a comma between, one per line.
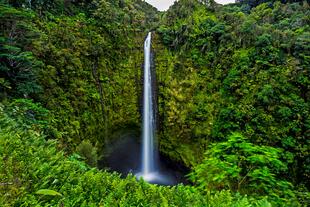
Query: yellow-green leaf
x=48, y=192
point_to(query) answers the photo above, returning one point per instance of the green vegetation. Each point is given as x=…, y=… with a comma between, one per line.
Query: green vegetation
x=246, y=168
x=234, y=69
x=36, y=173
x=233, y=95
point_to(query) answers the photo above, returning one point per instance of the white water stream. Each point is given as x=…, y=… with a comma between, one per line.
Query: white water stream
x=148, y=153
x=149, y=166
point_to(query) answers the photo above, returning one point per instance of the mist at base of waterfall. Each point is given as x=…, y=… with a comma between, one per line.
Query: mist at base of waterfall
x=157, y=178
x=125, y=158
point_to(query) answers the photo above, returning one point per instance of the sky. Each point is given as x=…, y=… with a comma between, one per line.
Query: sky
x=163, y=5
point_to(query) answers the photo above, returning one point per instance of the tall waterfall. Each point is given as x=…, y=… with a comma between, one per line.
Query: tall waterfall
x=124, y=156
x=148, y=149
x=149, y=166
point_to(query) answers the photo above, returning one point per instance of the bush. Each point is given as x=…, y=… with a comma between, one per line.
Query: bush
x=243, y=167
x=86, y=150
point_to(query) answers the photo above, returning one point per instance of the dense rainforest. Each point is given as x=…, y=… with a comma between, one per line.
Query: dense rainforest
x=233, y=100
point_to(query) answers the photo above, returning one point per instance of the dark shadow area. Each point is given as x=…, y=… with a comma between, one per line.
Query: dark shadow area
x=124, y=157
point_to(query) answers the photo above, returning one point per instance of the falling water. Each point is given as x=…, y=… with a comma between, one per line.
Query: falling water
x=148, y=153
x=150, y=168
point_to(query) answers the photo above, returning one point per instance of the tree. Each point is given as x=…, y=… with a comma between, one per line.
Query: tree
x=18, y=67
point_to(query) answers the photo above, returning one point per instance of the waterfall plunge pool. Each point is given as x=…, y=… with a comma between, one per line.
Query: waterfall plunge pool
x=124, y=156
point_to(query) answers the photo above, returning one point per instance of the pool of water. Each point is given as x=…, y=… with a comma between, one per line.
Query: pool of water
x=124, y=157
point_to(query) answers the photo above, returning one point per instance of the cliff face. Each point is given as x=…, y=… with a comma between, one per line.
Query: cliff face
x=80, y=59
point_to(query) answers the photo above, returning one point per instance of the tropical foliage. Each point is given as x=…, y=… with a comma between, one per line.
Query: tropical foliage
x=233, y=100
x=35, y=173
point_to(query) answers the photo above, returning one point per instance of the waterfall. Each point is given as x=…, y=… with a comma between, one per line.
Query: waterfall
x=148, y=124
x=149, y=156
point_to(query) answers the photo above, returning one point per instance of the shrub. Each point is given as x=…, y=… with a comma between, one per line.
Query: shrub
x=243, y=167
x=86, y=150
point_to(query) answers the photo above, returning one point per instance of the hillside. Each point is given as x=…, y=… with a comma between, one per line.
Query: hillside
x=233, y=101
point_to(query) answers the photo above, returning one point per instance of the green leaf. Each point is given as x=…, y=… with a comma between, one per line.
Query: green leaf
x=48, y=192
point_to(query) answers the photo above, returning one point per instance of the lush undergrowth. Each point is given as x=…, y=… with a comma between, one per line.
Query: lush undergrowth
x=35, y=173
x=233, y=100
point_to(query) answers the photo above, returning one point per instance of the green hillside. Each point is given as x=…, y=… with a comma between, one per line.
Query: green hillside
x=233, y=100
